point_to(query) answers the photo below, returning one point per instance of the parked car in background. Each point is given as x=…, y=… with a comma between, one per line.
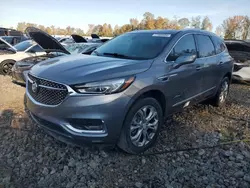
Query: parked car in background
x=53, y=49
x=9, y=32
x=96, y=38
x=122, y=92
x=240, y=51
x=13, y=40
x=10, y=54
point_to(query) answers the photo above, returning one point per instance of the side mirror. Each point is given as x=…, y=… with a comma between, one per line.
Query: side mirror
x=183, y=60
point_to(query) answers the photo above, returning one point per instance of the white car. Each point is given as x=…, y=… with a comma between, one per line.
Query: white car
x=10, y=54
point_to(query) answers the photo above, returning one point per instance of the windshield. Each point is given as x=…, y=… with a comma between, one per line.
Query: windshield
x=135, y=46
x=22, y=46
x=76, y=48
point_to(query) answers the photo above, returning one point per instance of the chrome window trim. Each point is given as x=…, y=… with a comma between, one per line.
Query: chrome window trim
x=165, y=59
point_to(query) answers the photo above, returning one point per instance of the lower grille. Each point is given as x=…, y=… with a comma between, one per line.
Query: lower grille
x=46, y=92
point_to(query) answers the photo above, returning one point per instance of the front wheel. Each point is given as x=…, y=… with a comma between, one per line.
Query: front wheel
x=141, y=126
x=221, y=96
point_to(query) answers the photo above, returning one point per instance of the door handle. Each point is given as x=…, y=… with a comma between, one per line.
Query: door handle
x=166, y=77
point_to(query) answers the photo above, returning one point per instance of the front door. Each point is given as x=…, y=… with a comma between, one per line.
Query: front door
x=183, y=83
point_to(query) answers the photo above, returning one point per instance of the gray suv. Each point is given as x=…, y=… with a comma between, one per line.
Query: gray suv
x=121, y=93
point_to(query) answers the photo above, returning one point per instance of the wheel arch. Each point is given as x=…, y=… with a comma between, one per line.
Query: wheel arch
x=155, y=93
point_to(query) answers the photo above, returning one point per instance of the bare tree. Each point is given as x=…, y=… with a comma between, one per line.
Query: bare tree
x=183, y=22
x=206, y=24
x=196, y=22
x=219, y=31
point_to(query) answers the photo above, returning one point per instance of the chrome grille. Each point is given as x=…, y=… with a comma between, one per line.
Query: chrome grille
x=48, y=92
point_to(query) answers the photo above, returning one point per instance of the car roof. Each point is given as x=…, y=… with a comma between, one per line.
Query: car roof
x=84, y=44
x=160, y=31
x=170, y=31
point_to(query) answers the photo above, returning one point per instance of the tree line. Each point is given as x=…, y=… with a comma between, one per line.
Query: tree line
x=236, y=27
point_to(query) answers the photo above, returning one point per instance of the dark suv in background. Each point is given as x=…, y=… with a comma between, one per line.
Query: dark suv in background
x=122, y=92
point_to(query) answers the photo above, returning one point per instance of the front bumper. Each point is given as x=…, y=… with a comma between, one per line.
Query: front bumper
x=62, y=121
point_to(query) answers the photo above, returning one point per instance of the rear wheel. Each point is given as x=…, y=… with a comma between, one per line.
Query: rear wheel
x=6, y=67
x=141, y=126
x=222, y=93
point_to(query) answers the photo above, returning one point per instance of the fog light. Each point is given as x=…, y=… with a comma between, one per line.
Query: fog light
x=87, y=124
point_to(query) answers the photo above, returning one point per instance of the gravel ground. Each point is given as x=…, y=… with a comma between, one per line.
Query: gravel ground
x=31, y=158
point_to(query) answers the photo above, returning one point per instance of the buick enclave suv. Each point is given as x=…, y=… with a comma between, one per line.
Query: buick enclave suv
x=121, y=93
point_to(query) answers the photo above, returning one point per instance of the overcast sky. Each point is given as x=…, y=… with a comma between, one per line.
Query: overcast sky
x=80, y=13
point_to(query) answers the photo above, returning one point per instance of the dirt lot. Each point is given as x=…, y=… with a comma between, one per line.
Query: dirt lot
x=30, y=158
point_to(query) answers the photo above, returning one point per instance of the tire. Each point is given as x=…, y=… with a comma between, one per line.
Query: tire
x=217, y=101
x=149, y=105
x=6, y=66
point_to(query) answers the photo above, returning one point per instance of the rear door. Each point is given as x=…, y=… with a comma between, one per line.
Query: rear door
x=208, y=60
x=221, y=58
x=182, y=83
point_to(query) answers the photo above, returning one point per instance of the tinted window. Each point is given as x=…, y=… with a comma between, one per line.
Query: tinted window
x=135, y=45
x=3, y=45
x=186, y=45
x=22, y=46
x=8, y=39
x=36, y=48
x=219, y=45
x=205, y=45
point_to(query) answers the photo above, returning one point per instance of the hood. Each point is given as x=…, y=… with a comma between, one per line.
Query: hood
x=4, y=45
x=78, y=38
x=47, y=42
x=35, y=59
x=78, y=69
x=237, y=45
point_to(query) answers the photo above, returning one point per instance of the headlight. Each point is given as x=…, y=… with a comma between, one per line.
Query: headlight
x=105, y=87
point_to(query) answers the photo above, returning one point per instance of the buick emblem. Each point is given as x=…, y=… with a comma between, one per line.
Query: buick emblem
x=34, y=87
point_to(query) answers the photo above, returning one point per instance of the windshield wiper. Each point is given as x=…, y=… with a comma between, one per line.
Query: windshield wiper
x=119, y=55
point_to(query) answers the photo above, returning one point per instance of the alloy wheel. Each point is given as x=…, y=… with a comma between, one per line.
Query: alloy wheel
x=7, y=68
x=144, y=126
x=224, y=92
